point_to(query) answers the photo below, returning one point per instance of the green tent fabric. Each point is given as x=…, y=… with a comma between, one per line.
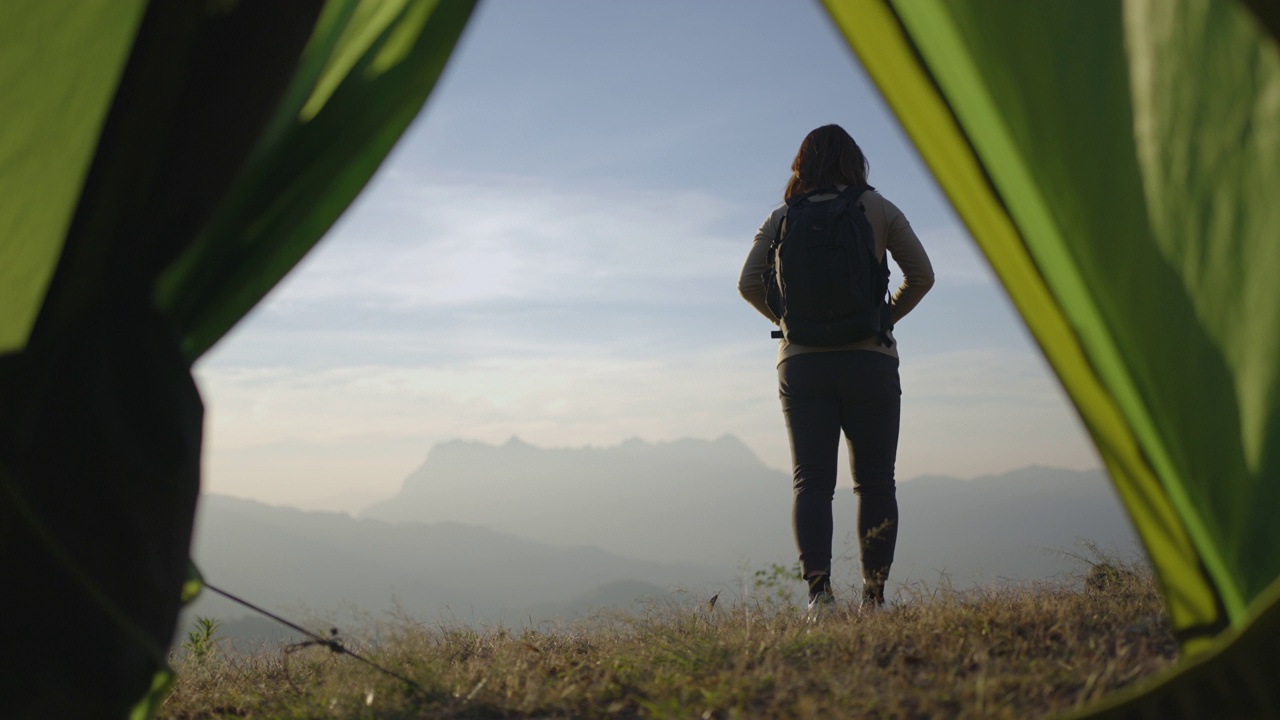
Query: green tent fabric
x=163, y=163
x=1118, y=164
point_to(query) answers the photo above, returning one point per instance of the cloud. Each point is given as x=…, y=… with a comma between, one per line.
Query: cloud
x=423, y=245
x=556, y=401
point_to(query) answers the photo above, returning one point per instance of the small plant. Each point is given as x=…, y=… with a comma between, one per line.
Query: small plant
x=1107, y=572
x=776, y=584
x=202, y=640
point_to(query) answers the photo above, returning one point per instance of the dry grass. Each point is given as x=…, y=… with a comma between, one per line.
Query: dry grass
x=1012, y=652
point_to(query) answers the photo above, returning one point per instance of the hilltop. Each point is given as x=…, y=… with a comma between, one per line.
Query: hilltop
x=1012, y=652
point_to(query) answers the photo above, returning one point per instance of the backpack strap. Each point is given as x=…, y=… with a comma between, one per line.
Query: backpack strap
x=777, y=240
x=770, y=277
x=797, y=199
x=885, y=326
x=850, y=193
x=853, y=192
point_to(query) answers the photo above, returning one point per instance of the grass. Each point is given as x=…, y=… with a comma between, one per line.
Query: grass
x=1006, y=652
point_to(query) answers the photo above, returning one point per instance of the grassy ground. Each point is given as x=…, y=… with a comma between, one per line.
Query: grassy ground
x=1012, y=652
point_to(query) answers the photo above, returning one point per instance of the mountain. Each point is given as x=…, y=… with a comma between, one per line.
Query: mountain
x=689, y=500
x=715, y=503
x=1020, y=525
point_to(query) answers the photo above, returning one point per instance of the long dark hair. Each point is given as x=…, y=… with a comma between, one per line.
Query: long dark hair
x=827, y=157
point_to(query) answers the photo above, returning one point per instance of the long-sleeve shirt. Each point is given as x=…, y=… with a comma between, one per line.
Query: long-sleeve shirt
x=892, y=233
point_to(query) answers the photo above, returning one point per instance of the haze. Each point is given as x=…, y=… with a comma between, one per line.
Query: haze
x=552, y=253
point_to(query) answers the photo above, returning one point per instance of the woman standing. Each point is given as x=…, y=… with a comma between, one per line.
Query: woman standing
x=850, y=387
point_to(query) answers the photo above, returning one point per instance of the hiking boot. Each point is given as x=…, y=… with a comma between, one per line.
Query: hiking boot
x=872, y=596
x=821, y=605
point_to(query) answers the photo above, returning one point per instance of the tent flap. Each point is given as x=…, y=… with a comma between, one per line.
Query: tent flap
x=1123, y=190
x=361, y=82
x=191, y=180
x=60, y=73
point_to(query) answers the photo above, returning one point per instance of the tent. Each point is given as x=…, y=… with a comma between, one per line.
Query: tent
x=1118, y=164
x=164, y=163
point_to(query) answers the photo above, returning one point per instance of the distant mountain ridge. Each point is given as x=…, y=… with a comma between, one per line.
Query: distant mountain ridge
x=1017, y=525
x=681, y=499
x=482, y=533
x=713, y=502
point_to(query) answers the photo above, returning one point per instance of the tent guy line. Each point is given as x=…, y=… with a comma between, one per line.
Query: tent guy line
x=333, y=644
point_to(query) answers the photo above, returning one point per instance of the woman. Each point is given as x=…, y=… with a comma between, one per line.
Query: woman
x=852, y=387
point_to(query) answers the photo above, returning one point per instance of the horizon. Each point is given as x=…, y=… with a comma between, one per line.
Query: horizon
x=357, y=512
x=495, y=551
x=552, y=251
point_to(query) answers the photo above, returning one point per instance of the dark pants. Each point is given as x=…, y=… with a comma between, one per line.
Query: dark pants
x=856, y=391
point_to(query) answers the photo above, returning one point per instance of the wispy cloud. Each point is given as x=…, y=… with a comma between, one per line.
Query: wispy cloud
x=425, y=245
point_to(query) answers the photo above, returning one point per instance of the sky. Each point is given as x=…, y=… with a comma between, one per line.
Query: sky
x=552, y=252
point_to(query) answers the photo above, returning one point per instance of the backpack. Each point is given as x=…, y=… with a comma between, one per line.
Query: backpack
x=824, y=282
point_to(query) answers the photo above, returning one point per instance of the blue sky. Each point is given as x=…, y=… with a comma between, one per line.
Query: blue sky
x=552, y=252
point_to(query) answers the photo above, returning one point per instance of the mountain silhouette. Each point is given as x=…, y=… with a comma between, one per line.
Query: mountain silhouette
x=515, y=533
x=693, y=500
x=715, y=503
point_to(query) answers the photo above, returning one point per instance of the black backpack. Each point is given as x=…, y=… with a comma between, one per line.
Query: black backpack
x=824, y=282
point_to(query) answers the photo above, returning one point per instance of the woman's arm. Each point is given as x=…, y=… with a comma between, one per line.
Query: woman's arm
x=909, y=254
x=751, y=281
